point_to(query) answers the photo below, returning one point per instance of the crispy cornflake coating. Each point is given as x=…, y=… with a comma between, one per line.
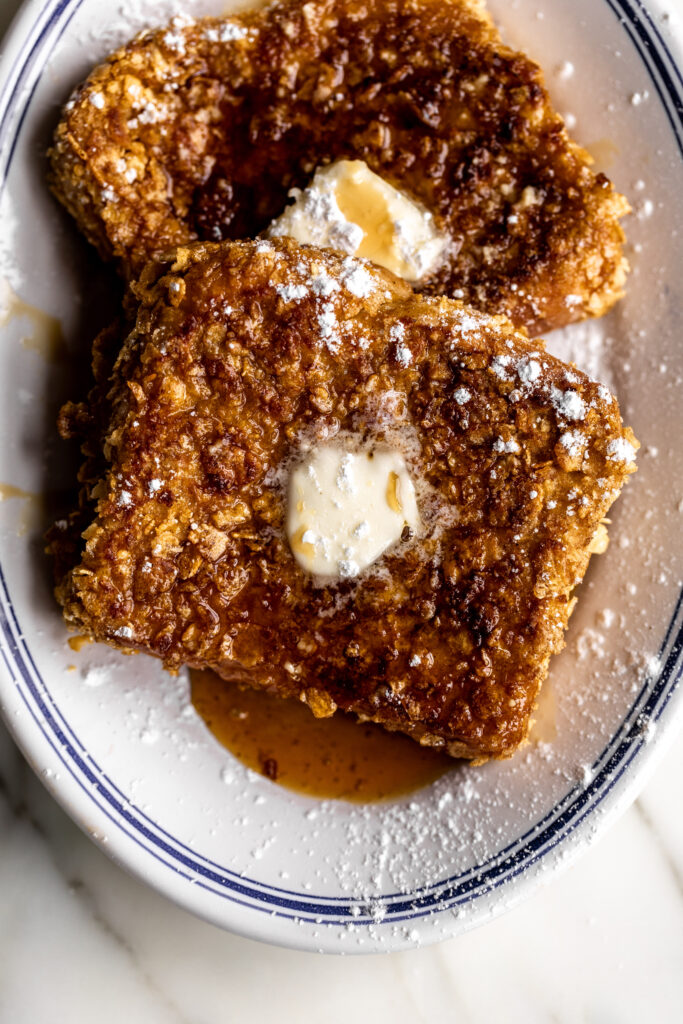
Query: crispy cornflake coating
x=243, y=352
x=198, y=131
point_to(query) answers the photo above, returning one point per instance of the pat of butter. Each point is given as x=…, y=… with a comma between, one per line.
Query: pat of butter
x=345, y=508
x=349, y=207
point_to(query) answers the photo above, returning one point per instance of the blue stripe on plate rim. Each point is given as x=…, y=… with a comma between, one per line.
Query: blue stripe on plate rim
x=449, y=893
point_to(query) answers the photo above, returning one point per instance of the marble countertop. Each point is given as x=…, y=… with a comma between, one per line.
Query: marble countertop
x=80, y=940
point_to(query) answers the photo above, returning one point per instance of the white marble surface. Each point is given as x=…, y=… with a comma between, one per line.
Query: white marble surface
x=80, y=940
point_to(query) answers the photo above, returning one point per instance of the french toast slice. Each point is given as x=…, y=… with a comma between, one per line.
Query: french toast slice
x=198, y=131
x=238, y=357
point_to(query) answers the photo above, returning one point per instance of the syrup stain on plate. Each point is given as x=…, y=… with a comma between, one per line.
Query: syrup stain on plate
x=543, y=727
x=604, y=153
x=32, y=510
x=47, y=337
x=330, y=758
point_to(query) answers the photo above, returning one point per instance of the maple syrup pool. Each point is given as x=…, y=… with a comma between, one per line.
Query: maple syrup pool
x=329, y=758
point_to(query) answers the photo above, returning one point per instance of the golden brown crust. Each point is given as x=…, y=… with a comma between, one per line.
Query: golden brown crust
x=180, y=135
x=226, y=369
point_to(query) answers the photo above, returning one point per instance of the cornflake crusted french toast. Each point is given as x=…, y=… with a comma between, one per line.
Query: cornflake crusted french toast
x=248, y=359
x=199, y=130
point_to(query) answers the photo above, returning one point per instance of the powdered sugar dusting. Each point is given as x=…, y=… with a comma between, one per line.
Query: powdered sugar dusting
x=574, y=442
x=357, y=279
x=403, y=353
x=621, y=450
x=291, y=292
x=568, y=404
x=505, y=447
x=329, y=328
x=404, y=356
x=500, y=366
x=227, y=33
x=589, y=346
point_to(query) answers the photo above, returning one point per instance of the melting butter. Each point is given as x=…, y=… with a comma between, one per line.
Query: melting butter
x=346, y=508
x=349, y=207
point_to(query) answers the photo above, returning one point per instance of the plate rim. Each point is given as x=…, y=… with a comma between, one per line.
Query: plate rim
x=36, y=29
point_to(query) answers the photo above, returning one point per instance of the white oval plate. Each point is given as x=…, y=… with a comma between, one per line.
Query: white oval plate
x=116, y=739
